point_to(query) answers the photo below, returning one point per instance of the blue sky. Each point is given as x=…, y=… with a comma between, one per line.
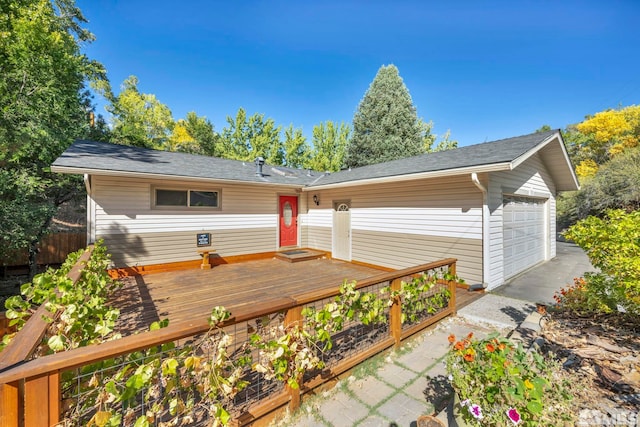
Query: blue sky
x=483, y=69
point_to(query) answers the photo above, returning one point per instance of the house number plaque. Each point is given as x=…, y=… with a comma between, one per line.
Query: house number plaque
x=203, y=239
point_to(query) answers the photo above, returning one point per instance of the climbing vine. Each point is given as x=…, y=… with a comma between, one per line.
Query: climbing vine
x=172, y=385
x=197, y=380
x=85, y=315
x=421, y=295
x=351, y=304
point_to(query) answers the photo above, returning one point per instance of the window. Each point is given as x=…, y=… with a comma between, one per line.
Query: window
x=170, y=198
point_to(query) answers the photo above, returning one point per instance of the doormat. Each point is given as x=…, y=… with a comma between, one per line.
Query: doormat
x=294, y=252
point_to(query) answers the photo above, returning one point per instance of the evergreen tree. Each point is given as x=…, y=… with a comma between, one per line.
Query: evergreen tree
x=386, y=125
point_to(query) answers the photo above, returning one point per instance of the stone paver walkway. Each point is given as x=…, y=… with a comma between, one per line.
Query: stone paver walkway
x=392, y=389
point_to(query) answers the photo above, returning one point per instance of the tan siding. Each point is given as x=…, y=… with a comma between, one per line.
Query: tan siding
x=159, y=248
x=529, y=179
x=402, y=224
x=398, y=250
x=139, y=235
x=319, y=238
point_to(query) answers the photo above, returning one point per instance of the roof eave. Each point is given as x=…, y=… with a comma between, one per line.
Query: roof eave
x=495, y=167
x=567, y=182
x=146, y=175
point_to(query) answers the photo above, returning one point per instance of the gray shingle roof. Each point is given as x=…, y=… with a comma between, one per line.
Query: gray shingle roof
x=488, y=153
x=103, y=156
x=100, y=156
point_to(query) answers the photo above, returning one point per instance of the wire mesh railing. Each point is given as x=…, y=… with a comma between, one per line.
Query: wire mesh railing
x=91, y=379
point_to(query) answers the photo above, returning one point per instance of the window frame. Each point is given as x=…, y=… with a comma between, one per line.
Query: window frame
x=188, y=207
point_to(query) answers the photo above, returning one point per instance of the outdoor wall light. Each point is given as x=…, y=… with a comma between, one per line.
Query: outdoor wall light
x=316, y=199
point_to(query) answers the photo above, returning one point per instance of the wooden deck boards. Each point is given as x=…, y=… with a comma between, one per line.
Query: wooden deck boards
x=189, y=294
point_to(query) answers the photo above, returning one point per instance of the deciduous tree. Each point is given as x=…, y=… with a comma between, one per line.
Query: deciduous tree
x=44, y=106
x=329, y=143
x=139, y=119
x=296, y=149
x=193, y=135
x=385, y=125
x=246, y=138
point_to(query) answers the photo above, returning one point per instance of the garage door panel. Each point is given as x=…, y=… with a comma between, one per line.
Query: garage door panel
x=523, y=233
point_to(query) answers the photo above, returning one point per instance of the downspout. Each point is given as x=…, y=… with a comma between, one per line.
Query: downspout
x=87, y=183
x=485, y=229
x=90, y=210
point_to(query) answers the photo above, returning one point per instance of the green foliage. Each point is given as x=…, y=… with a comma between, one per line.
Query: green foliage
x=178, y=385
x=613, y=246
x=420, y=296
x=139, y=119
x=385, y=125
x=286, y=354
x=247, y=138
x=85, y=316
x=296, y=149
x=350, y=305
x=329, y=143
x=202, y=131
x=43, y=107
x=499, y=383
x=429, y=138
x=616, y=185
x=200, y=379
x=585, y=297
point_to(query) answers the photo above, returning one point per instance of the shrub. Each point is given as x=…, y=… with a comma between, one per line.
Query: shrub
x=613, y=246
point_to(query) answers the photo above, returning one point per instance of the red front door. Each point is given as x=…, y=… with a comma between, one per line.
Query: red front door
x=288, y=220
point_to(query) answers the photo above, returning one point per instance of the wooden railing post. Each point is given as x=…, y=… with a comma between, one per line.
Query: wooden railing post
x=42, y=400
x=452, y=289
x=395, y=313
x=9, y=404
x=293, y=319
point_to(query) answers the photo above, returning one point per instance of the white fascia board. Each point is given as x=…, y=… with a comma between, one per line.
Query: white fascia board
x=125, y=174
x=495, y=167
x=523, y=158
x=556, y=136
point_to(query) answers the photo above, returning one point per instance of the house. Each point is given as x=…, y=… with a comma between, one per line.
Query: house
x=491, y=205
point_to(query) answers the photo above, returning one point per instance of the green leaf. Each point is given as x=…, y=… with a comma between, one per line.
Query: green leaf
x=56, y=343
x=169, y=366
x=142, y=421
x=534, y=406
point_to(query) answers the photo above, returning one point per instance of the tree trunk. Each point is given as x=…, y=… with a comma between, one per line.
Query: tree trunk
x=33, y=259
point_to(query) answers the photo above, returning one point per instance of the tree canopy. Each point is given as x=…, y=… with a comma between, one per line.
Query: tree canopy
x=44, y=106
x=329, y=143
x=246, y=138
x=604, y=149
x=139, y=119
x=385, y=125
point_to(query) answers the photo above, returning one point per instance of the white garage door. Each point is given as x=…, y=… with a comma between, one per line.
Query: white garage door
x=524, y=233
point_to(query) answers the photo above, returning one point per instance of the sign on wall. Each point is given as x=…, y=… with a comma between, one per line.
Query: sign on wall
x=203, y=239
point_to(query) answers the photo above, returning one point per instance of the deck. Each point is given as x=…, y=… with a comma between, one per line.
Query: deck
x=189, y=294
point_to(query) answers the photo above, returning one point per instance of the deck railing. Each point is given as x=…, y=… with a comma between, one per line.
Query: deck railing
x=31, y=391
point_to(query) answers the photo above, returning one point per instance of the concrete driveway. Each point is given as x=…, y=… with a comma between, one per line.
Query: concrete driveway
x=539, y=283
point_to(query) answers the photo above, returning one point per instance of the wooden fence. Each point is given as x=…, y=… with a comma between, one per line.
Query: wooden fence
x=30, y=390
x=53, y=249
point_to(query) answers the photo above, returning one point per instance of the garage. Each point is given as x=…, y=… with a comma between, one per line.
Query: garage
x=524, y=233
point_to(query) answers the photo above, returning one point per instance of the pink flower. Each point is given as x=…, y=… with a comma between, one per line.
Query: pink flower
x=514, y=416
x=465, y=402
x=476, y=411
